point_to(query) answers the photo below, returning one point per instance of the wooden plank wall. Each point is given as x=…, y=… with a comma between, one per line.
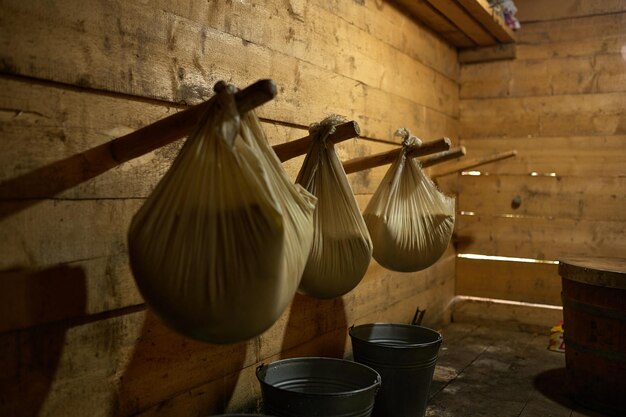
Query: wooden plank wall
x=75, y=336
x=561, y=104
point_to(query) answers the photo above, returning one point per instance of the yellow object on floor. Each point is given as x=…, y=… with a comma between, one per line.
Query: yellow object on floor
x=557, y=344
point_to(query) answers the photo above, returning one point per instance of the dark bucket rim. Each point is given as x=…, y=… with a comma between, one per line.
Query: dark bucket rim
x=438, y=340
x=376, y=385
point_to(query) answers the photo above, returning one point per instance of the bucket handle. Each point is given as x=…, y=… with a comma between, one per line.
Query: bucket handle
x=262, y=367
x=418, y=317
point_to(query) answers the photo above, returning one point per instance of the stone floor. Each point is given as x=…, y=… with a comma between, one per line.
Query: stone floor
x=499, y=372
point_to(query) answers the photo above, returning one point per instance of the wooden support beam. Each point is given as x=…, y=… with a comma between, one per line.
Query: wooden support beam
x=483, y=13
x=289, y=150
x=384, y=158
x=443, y=157
x=464, y=21
x=181, y=124
x=427, y=14
x=476, y=162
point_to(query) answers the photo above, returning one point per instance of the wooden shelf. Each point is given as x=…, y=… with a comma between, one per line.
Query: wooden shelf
x=464, y=23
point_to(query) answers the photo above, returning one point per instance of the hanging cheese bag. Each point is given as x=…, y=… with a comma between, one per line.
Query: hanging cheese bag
x=342, y=248
x=218, y=248
x=409, y=219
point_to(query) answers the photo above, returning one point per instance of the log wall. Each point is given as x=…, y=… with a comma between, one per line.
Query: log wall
x=76, y=338
x=560, y=103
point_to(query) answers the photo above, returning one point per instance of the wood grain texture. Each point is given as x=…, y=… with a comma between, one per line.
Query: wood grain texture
x=585, y=197
x=442, y=157
x=593, y=27
x=382, y=19
x=79, y=237
x=368, y=28
x=538, y=116
x=49, y=134
x=45, y=141
x=569, y=48
x=65, y=259
x=289, y=150
x=69, y=291
x=464, y=21
x=560, y=105
x=386, y=158
x=474, y=163
x=493, y=22
x=593, y=74
x=176, y=126
x=539, y=237
x=75, y=336
x=563, y=156
x=59, y=231
x=538, y=10
x=487, y=54
x=150, y=369
x=424, y=12
x=602, y=272
x=509, y=280
x=186, y=57
x=513, y=315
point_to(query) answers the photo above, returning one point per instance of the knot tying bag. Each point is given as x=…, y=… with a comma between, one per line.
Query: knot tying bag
x=410, y=221
x=218, y=248
x=342, y=248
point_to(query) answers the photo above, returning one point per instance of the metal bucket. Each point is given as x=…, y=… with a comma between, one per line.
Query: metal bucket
x=405, y=356
x=311, y=387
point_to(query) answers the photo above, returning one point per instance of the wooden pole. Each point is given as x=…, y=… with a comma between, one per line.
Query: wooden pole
x=384, y=158
x=181, y=124
x=443, y=157
x=475, y=162
x=289, y=150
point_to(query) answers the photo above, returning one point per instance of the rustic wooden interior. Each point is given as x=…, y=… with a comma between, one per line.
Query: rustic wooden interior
x=76, y=337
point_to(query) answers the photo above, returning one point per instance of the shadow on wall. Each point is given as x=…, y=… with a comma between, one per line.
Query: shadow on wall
x=315, y=328
x=54, y=178
x=166, y=371
x=169, y=372
x=29, y=356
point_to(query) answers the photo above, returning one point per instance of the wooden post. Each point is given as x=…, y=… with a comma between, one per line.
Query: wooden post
x=176, y=126
x=289, y=150
x=384, y=158
x=443, y=157
x=475, y=162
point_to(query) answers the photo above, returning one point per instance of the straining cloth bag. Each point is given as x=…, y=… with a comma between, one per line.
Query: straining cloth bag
x=342, y=248
x=219, y=247
x=409, y=219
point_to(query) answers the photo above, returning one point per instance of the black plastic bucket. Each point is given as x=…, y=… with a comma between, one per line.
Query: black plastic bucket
x=241, y=415
x=405, y=356
x=312, y=387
